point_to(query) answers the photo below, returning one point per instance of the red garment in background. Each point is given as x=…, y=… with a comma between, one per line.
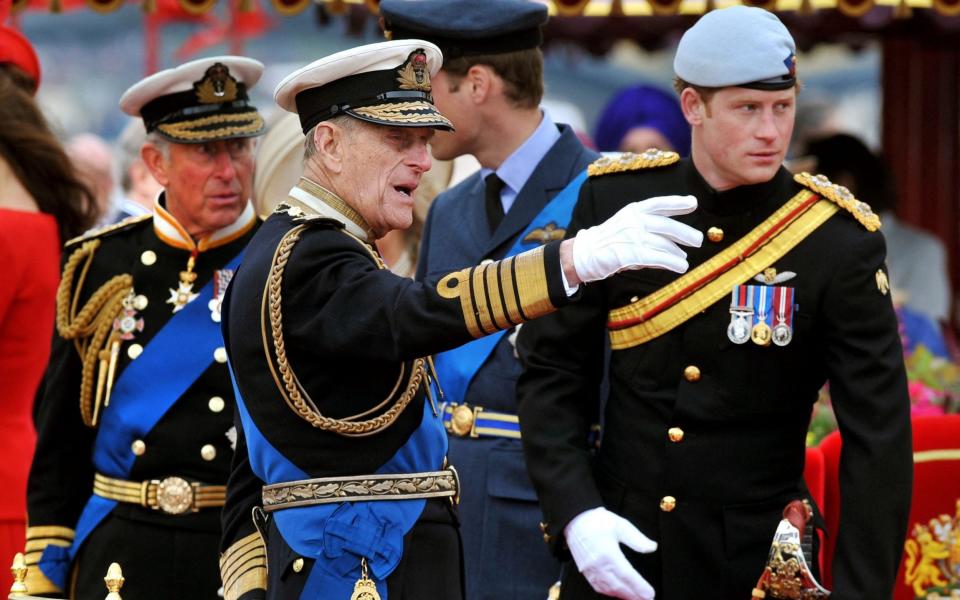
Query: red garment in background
x=30, y=264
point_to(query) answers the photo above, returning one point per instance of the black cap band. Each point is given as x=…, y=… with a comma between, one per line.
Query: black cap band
x=184, y=104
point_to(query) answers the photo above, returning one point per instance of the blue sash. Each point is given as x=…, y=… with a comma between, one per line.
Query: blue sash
x=184, y=348
x=456, y=368
x=337, y=535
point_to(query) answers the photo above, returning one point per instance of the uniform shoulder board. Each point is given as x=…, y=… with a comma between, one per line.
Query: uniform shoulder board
x=106, y=229
x=628, y=161
x=841, y=196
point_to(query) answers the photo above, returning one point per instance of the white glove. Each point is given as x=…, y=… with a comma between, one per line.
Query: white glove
x=640, y=235
x=594, y=537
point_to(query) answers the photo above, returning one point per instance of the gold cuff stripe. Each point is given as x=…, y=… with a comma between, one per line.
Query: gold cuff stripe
x=531, y=276
x=38, y=584
x=50, y=531
x=508, y=292
x=771, y=250
x=457, y=285
x=255, y=557
x=242, y=550
x=254, y=579
x=481, y=300
x=494, y=296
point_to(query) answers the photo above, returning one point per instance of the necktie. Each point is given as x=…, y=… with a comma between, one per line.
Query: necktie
x=494, y=185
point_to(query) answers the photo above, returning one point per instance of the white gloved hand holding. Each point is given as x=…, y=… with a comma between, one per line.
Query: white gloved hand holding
x=640, y=235
x=594, y=537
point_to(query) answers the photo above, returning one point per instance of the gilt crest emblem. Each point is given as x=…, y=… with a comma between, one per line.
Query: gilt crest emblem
x=414, y=73
x=932, y=565
x=216, y=86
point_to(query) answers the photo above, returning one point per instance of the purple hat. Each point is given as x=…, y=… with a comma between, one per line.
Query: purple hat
x=642, y=106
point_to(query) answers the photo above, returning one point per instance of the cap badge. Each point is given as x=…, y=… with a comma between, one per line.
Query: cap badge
x=414, y=74
x=791, y=63
x=216, y=86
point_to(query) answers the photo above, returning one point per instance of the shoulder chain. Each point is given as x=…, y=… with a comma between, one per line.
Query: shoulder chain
x=287, y=382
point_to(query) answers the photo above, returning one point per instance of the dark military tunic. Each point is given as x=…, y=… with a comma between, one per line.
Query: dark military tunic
x=352, y=331
x=162, y=555
x=737, y=414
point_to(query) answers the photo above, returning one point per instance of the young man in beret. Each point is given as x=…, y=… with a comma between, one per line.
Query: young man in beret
x=342, y=452
x=134, y=419
x=490, y=87
x=713, y=375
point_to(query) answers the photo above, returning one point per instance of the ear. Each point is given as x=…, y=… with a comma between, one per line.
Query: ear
x=154, y=160
x=329, y=140
x=481, y=81
x=693, y=106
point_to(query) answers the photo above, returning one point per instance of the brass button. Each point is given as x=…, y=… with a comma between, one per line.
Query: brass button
x=216, y=404
x=547, y=538
x=692, y=373
x=134, y=350
x=138, y=447
x=461, y=423
x=140, y=302
x=220, y=355
x=298, y=565
x=634, y=299
x=208, y=452
x=149, y=257
x=675, y=434
x=543, y=527
x=715, y=234
x=668, y=503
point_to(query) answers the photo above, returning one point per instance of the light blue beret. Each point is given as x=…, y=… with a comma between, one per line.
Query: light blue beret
x=740, y=46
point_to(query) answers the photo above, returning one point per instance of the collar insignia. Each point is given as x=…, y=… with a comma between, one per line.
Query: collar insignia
x=217, y=86
x=414, y=74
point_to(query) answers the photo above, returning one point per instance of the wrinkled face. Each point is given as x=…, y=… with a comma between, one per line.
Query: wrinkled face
x=451, y=99
x=382, y=168
x=744, y=135
x=207, y=185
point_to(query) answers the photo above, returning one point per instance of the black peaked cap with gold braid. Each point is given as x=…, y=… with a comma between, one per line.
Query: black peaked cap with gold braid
x=386, y=83
x=200, y=101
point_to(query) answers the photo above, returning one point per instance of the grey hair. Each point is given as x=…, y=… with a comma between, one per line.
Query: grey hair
x=161, y=143
x=346, y=122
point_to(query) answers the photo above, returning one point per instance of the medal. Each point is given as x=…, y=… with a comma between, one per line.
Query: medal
x=364, y=588
x=741, y=313
x=783, y=330
x=221, y=278
x=127, y=323
x=184, y=293
x=761, y=332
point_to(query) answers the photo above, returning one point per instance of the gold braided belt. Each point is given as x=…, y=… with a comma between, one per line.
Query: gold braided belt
x=172, y=495
x=362, y=488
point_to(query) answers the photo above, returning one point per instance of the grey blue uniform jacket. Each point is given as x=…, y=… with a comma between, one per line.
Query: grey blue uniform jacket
x=503, y=552
x=743, y=419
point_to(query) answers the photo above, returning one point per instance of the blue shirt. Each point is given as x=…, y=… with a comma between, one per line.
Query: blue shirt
x=517, y=168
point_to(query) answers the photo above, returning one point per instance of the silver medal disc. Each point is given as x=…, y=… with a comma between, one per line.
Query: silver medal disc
x=739, y=330
x=782, y=334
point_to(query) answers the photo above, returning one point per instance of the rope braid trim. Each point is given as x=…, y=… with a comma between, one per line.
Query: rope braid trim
x=90, y=328
x=293, y=393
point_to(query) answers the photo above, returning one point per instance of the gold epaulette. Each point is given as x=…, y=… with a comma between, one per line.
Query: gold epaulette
x=101, y=231
x=841, y=196
x=243, y=567
x=628, y=161
x=90, y=327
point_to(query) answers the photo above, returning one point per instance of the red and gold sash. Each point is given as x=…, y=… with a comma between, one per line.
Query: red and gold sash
x=675, y=303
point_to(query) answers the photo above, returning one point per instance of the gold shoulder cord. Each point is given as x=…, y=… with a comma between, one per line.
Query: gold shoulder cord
x=289, y=386
x=91, y=329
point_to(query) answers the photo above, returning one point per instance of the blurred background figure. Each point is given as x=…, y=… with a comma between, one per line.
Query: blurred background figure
x=279, y=162
x=641, y=117
x=137, y=187
x=42, y=203
x=916, y=259
x=93, y=160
